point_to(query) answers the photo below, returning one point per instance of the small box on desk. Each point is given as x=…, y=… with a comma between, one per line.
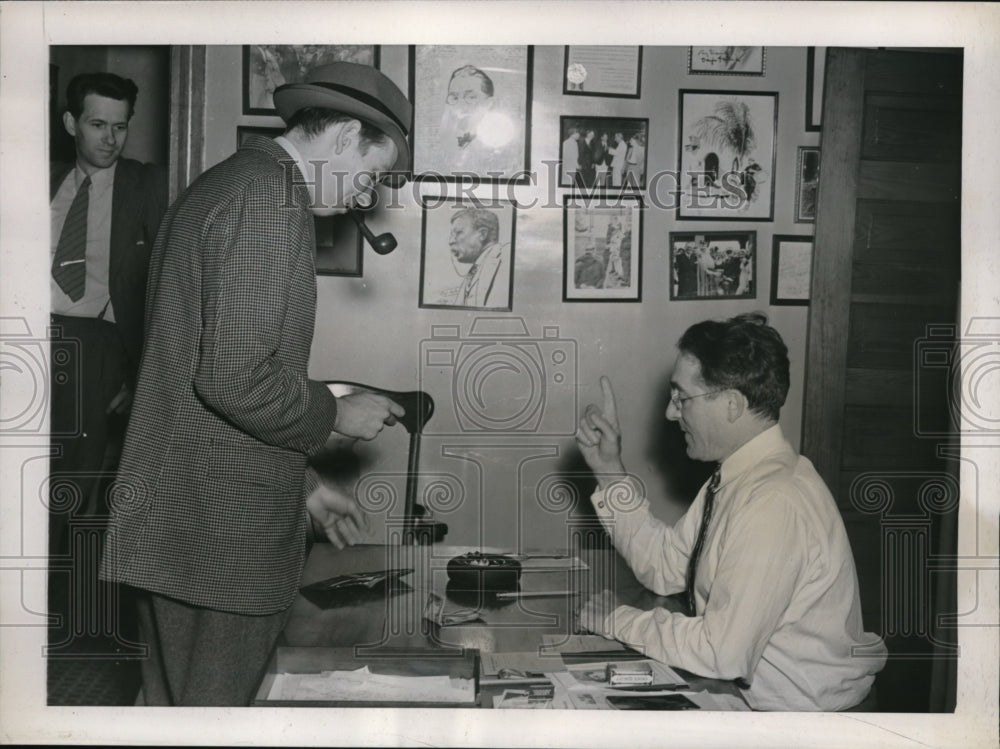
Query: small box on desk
x=376, y=677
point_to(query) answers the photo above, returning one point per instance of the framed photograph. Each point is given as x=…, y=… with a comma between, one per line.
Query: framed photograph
x=267, y=66
x=806, y=185
x=791, y=269
x=726, y=155
x=713, y=265
x=602, y=249
x=726, y=60
x=815, y=69
x=603, y=153
x=603, y=70
x=245, y=131
x=339, y=246
x=467, y=254
x=471, y=113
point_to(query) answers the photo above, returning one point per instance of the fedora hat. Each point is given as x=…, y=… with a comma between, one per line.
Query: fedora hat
x=358, y=90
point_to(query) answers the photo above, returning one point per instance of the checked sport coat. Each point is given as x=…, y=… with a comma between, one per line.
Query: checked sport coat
x=209, y=505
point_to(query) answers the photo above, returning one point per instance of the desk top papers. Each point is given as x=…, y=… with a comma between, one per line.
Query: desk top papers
x=364, y=686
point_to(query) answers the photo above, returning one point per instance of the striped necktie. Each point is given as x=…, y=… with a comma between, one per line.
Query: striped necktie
x=706, y=518
x=69, y=268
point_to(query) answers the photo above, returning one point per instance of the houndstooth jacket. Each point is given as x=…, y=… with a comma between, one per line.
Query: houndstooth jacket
x=209, y=503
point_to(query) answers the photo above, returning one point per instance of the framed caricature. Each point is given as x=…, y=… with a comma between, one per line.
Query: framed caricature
x=467, y=254
x=602, y=249
x=603, y=70
x=267, y=66
x=727, y=155
x=603, y=152
x=726, y=60
x=806, y=185
x=791, y=269
x=471, y=112
x=713, y=265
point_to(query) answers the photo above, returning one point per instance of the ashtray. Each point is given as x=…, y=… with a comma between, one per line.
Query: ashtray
x=479, y=571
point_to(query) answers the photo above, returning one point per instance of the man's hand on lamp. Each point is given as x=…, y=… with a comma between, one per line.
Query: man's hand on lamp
x=364, y=414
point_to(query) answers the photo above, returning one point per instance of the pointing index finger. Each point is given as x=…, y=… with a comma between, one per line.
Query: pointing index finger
x=610, y=408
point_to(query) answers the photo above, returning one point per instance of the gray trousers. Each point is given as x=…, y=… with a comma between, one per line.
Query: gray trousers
x=202, y=657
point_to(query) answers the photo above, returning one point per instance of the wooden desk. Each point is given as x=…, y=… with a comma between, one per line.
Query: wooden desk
x=389, y=619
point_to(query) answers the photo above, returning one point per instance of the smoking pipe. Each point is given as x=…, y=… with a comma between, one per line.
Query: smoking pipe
x=383, y=244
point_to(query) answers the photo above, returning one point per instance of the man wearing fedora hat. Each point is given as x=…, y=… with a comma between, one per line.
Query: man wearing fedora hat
x=214, y=498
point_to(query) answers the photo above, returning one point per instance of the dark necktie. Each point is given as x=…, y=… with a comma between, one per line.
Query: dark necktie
x=706, y=518
x=69, y=268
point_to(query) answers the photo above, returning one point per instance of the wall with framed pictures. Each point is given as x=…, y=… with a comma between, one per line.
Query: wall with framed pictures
x=582, y=226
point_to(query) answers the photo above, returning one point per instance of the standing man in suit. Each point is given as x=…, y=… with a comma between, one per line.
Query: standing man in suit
x=215, y=498
x=105, y=211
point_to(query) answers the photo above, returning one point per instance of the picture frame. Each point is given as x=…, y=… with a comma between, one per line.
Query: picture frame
x=610, y=163
x=267, y=66
x=339, y=245
x=815, y=70
x=726, y=153
x=467, y=253
x=471, y=113
x=791, y=269
x=713, y=265
x=806, y=184
x=727, y=61
x=602, y=249
x=245, y=131
x=603, y=70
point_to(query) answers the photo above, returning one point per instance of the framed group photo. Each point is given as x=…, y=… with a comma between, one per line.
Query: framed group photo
x=603, y=70
x=267, y=66
x=727, y=155
x=602, y=249
x=791, y=269
x=467, y=254
x=471, y=112
x=713, y=265
x=603, y=152
x=726, y=60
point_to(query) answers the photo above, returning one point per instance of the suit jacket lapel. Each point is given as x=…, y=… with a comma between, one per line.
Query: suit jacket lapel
x=122, y=217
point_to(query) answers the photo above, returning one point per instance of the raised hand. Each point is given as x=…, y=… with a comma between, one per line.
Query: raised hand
x=599, y=437
x=365, y=414
x=339, y=515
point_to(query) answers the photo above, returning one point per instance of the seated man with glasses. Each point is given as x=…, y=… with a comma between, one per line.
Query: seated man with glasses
x=762, y=552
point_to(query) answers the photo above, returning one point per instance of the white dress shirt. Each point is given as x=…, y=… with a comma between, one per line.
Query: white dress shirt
x=96, y=294
x=776, y=590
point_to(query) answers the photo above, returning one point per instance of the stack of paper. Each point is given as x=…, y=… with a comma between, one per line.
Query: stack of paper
x=364, y=686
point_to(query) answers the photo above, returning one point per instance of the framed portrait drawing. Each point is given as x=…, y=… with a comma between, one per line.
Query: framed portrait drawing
x=603, y=70
x=806, y=185
x=791, y=269
x=713, y=265
x=726, y=60
x=603, y=153
x=726, y=155
x=467, y=253
x=267, y=66
x=815, y=70
x=602, y=249
x=471, y=113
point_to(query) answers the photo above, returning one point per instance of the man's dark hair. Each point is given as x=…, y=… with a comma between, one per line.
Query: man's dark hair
x=103, y=84
x=743, y=353
x=482, y=218
x=311, y=121
x=471, y=71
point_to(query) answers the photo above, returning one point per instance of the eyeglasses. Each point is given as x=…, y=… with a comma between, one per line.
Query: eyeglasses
x=678, y=402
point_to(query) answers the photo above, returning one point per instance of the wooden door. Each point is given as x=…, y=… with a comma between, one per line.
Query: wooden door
x=885, y=284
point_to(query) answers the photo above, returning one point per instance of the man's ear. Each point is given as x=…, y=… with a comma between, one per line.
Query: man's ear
x=737, y=405
x=350, y=134
x=69, y=122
